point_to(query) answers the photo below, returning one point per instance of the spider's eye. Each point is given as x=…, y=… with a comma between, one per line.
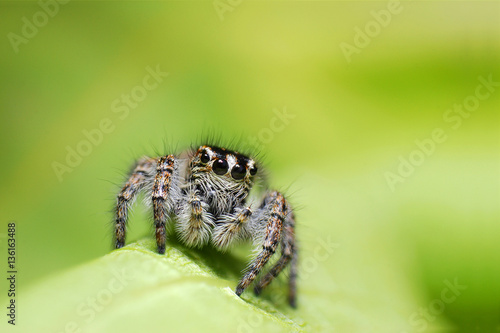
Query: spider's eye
x=204, y=158
x=253, y=170
x=220, y=167
x=238, y=171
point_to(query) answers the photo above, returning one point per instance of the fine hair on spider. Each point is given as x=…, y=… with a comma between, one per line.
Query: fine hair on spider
x=203, y=192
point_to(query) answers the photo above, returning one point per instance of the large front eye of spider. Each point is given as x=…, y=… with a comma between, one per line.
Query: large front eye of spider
x=204, y=157
x=238, y=171
x=220, y=167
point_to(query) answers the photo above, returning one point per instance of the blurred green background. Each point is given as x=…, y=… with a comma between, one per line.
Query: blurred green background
x=353, y=118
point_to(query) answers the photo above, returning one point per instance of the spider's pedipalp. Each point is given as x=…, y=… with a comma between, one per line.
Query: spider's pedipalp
x=195, y=222
x=231, y=228
x=136, y=182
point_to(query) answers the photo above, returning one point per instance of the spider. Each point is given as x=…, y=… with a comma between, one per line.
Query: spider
x=204, y=191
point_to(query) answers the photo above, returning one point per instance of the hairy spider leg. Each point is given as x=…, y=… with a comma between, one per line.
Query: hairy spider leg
x=288, y=255
x=292, y=295
x=159, y=195
x=273, y=233
x=136, y=181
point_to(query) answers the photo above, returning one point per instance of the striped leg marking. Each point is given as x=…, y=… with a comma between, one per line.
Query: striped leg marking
x=134, y=184
x=161, y=188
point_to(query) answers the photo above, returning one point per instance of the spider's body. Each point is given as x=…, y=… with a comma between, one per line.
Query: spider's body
x=204, y=192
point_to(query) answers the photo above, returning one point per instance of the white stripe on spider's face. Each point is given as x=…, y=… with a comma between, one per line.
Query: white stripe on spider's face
x=231, y=161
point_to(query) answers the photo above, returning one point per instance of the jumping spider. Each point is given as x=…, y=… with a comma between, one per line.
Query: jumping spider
x=203, y=192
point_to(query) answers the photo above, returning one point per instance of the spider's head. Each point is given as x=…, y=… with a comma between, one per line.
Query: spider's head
x=225, y=164
x=223, y=176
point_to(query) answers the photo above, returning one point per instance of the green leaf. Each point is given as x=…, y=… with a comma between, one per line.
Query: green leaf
x=185, y=290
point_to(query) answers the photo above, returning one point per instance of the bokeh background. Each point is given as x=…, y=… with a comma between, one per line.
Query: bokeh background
x=232, y=67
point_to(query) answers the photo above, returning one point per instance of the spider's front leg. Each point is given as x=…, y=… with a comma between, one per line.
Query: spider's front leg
x=275, y=210
x=161, y=201
x=138, y=178
x=288, y=256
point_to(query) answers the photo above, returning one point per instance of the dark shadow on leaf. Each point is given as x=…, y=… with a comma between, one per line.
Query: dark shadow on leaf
x=225, y=265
